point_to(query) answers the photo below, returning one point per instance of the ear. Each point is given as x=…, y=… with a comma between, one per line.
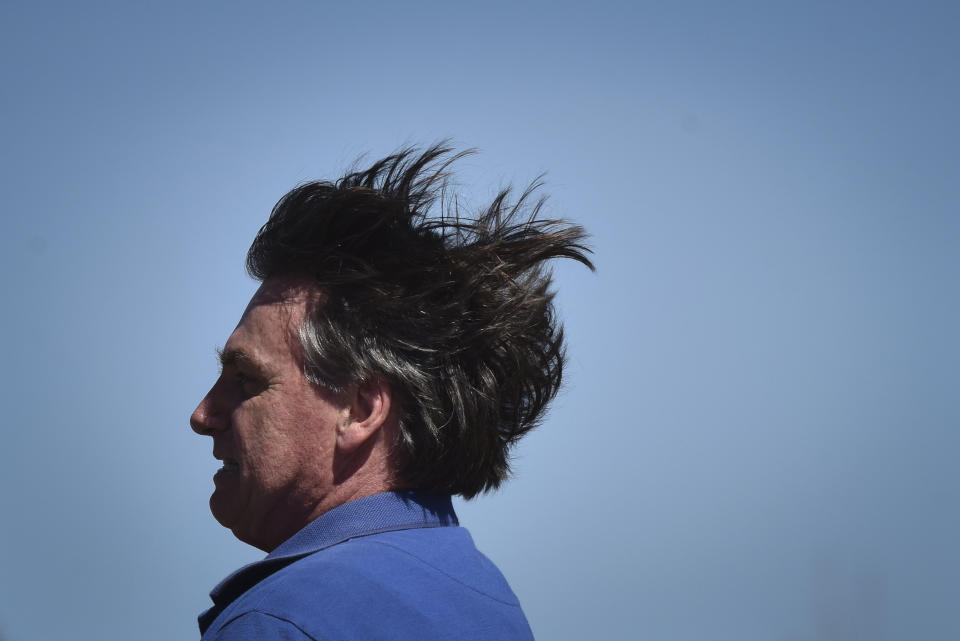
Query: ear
x=368, y=412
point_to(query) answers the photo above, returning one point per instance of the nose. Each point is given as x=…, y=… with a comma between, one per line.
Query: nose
x=207, y=418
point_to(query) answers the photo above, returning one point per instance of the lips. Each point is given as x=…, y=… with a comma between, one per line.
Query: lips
x=228, y=472
x=227, y=465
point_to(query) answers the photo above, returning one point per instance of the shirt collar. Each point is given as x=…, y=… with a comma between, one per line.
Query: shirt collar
x=370, y=515
x=401, y=510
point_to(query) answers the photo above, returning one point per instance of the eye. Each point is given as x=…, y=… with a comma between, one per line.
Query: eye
x=247, y=384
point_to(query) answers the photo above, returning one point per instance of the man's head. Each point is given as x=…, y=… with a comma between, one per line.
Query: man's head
x=291, y=450
x=431, y=333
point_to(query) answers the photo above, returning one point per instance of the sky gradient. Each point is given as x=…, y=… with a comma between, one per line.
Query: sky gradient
x=757, y=439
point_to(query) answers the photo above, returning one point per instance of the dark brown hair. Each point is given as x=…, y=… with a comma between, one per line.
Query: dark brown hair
x=454, y=311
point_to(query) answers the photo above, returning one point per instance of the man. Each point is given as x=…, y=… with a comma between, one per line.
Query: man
x=391, y=357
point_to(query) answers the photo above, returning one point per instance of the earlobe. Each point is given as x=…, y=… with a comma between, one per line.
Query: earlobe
x=369, y=410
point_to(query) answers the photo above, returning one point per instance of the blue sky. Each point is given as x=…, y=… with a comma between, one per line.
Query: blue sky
x=757, y=440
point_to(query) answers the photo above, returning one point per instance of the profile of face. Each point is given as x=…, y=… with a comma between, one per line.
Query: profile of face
x=274, y=431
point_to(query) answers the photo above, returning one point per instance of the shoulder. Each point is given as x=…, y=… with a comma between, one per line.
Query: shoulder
x=262, y=626
x=423, y=583
x=416, y=559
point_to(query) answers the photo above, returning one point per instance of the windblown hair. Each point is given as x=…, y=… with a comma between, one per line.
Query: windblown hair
x=454, y=312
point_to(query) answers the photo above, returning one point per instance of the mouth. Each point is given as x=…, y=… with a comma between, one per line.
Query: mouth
x=226, y=464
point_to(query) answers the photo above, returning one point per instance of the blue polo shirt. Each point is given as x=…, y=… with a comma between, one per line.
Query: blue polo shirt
x=391, y=566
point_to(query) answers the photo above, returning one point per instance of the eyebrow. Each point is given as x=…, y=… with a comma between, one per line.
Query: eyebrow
x=234, y=356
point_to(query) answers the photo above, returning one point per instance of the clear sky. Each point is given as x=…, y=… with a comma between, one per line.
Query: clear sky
x=759, y=435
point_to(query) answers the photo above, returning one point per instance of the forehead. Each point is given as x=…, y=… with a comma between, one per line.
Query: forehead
x=267, y=330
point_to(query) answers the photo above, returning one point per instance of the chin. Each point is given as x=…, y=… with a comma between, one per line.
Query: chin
x=222, y=510
x=230, y=515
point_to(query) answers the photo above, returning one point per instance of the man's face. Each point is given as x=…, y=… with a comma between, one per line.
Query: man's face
x=273, y=430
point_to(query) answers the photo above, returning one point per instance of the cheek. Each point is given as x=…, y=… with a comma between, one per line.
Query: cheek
x=255, y=436
x=312, y=438
x=283, y=435
x=277, y=444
